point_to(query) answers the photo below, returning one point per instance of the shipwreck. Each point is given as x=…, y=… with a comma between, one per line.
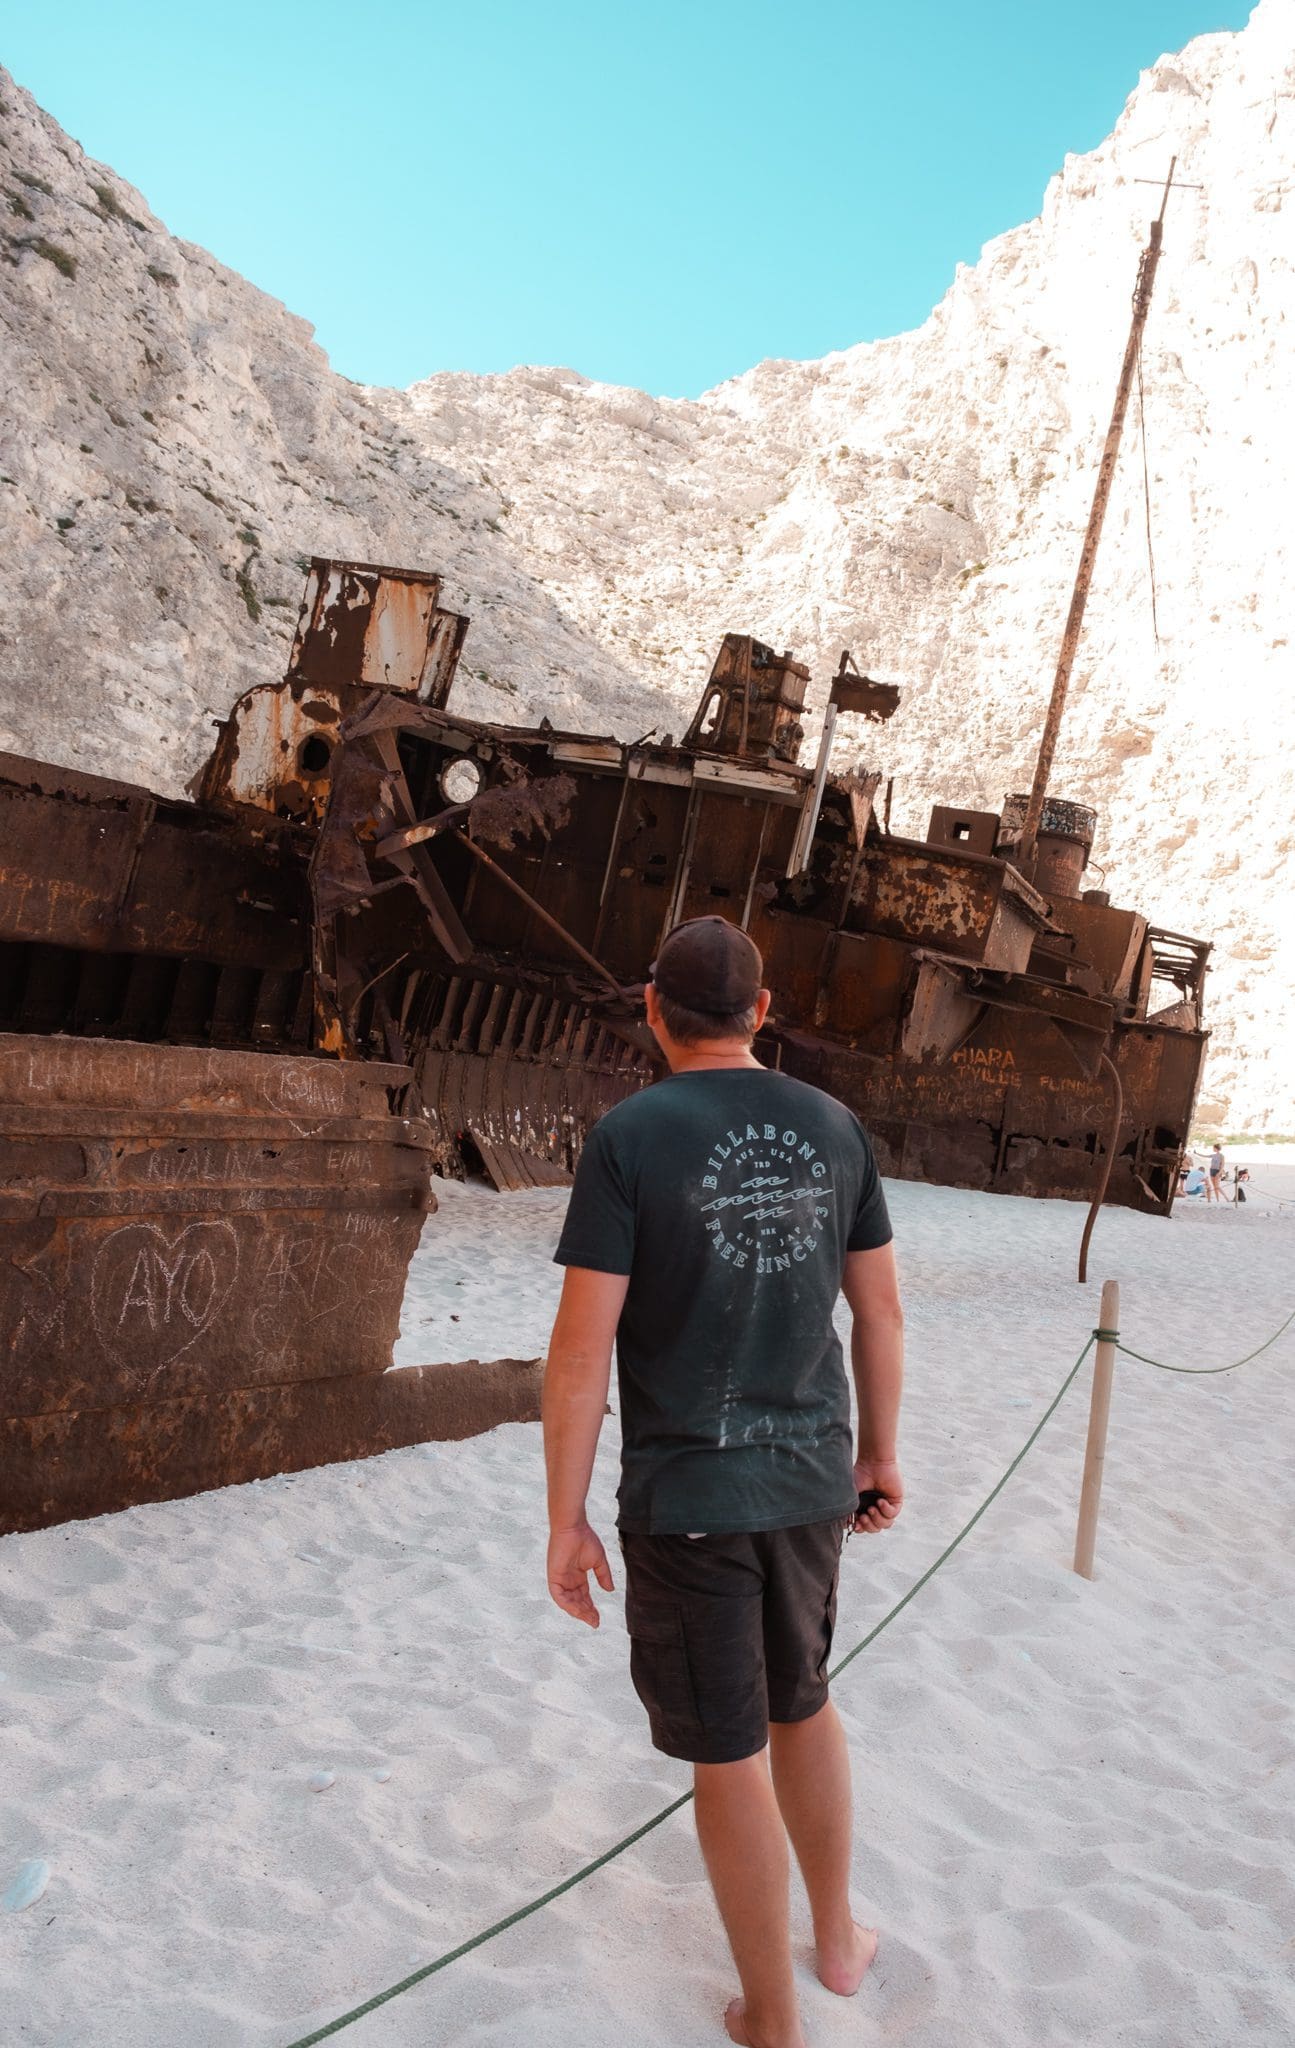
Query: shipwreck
x=484, y=900
x=241, y=1033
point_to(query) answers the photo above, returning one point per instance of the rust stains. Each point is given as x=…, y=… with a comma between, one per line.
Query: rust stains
x=184, y=1226
x=365, y=627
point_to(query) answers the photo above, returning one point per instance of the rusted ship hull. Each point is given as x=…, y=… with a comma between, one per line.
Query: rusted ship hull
x=484, y=902
x=1000, y=1115
x=206, y=1217
x=243, y=1032
x=512, y=1081
x=961, y=1010
x=1006, y=1113
x=189, y=1239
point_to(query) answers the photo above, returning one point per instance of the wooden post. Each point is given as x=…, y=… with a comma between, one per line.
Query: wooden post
x=1098, y=1416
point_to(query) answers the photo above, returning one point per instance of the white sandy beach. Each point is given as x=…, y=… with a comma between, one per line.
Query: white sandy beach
x=1074, y=1799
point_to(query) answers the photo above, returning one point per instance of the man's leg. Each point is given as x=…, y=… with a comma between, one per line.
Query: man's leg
x=811, y=1778
x=742, y=1840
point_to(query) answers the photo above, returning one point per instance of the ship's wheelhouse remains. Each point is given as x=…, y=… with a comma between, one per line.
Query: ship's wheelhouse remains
x=484, y=900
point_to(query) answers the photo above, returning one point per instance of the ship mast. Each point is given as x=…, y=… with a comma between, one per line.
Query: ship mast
x=1024, y=856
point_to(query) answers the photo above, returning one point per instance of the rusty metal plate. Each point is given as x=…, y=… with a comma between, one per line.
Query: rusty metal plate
x=523, y=1077
x=865, y=697
x=940, y=1014
x=179, y=1222
x=275, y=751
x=954, y=903
x=362, y=625
x=88, y=864
x=54, y=1468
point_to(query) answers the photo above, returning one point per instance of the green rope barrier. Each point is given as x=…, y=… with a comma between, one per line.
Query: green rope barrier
x=464, y=1948
x=967, y=1527
x=1196, y=1371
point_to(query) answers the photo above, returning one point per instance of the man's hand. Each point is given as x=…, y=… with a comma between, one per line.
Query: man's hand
x=871, y=1287
x=573, y=1554
x=878, y=1476
x=574, y=1403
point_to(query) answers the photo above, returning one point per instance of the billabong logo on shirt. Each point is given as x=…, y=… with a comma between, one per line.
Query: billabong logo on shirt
x=764, y=1197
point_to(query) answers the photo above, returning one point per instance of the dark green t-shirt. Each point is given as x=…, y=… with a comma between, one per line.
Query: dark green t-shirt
x=730, y=1198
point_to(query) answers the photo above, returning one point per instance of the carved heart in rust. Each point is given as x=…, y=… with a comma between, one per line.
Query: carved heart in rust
x=153, y=1292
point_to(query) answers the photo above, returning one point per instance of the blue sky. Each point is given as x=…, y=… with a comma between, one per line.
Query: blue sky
x=657, y=195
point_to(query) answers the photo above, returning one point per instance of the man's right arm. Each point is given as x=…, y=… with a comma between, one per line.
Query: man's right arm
x=871, y=1286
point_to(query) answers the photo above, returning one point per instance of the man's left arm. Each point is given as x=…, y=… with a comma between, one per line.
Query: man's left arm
x=576, y=1378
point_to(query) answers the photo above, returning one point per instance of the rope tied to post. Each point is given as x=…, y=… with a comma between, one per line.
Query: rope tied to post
x=1106, y=1336
x=1196, y=1371
x=1102, y=1334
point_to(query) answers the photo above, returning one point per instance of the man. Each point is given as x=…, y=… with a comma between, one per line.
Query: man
x=1214, y=1175
x=714, y=1219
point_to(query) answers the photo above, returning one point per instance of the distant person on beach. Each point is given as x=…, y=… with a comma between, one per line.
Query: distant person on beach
x=1239, y=1179
x=1214, y=1176
x=714, y=1220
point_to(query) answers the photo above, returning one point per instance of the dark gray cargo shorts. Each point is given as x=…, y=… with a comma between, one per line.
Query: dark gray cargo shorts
x=729, y=1633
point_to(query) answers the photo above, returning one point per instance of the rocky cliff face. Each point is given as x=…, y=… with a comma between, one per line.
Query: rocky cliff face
x=179, y=444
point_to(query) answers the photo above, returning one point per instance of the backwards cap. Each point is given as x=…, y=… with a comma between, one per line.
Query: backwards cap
x=710, y=965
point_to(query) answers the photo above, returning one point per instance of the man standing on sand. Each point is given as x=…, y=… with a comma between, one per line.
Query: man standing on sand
x=714, y=1219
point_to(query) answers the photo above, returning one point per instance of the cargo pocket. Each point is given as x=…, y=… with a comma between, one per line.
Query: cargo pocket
x=829, y=1625
x=661, y=1677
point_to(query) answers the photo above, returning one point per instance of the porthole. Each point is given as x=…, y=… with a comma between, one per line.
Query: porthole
x=460, y=780
x=314, y=755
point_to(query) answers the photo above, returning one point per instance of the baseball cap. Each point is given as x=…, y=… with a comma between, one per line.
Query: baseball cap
x=710, y=965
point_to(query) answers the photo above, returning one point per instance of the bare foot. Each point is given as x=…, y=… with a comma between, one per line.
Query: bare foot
x=843, y=1970
x=735, y=2028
